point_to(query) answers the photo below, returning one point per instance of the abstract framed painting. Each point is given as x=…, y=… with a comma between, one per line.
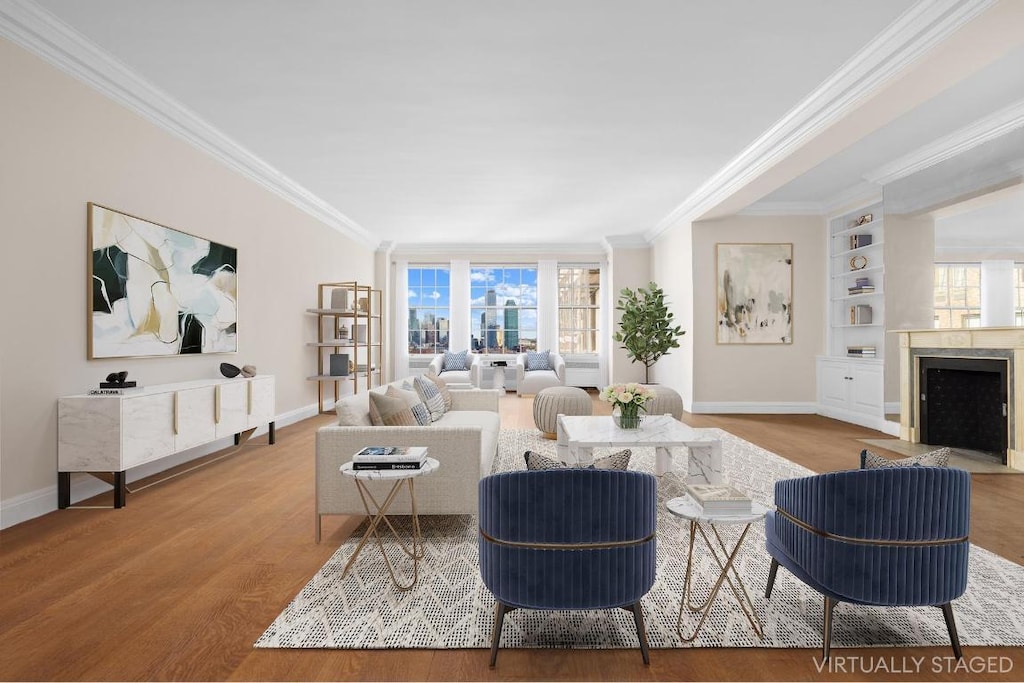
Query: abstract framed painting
x=157, y=291
x=755, y=293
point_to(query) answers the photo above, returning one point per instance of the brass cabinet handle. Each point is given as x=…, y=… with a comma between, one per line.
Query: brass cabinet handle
x=249, y=397
x=175, y=413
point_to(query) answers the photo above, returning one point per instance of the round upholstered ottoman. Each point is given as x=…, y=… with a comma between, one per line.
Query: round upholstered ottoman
x=552, y=401
x=666, y=401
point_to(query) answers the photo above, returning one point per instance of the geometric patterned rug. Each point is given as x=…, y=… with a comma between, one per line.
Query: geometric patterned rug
x=451, y=608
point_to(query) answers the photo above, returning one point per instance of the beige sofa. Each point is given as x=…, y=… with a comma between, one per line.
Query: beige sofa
x=464, y=441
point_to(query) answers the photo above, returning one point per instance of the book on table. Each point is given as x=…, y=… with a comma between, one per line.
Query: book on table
x=390, y=458
x=719, y=499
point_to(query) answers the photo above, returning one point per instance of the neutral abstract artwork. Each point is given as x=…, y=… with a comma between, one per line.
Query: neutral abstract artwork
x=156, y=291
x=755, y=293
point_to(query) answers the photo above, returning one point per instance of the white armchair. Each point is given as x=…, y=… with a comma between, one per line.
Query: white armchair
x=529, y=382
x=471, y=376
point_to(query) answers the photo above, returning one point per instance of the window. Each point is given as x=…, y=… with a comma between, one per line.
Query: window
x=1018, y=293
x=429, y=291
x=957, y=295
x=578, y=308
x=503, y=309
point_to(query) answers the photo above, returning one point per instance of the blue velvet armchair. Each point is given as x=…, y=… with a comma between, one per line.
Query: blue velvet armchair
x=568, y=539
x=889, y=537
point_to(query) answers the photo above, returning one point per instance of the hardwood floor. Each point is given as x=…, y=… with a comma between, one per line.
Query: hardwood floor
x=180, y=583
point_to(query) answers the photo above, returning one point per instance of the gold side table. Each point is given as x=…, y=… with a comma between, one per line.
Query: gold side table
x=378, y=515
x=706, y=525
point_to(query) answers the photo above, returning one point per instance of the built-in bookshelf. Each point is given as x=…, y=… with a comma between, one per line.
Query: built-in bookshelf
x=850, y=374
x=857, y=283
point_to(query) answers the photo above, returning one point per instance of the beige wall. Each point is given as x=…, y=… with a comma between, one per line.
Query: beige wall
x=771, y=373
x=909, y=287
x=672, y=268
x=628, y=268
x=64, y=145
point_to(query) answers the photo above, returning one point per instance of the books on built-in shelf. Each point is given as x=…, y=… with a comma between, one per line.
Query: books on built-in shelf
x=858, y=241
x=719, y=499
x=390, y=458
x=860, y=314
x=861, y=351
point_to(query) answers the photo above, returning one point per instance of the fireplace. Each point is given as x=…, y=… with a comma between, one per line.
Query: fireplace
x=948, y=376
x=963, y=403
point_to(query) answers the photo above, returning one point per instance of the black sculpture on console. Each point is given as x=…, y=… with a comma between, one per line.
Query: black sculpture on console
x=117, y=380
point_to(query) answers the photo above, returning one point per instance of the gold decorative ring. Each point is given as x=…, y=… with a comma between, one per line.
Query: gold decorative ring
x=858, y=263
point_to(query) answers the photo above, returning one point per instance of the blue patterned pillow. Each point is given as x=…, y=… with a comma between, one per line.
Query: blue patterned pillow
x=455, y=361
x=431, y=395
x=538, y=361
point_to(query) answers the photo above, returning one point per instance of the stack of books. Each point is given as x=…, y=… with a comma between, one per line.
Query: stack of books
x=858, y=241
x=719, y=499
x=861, y=351
x=116, y=391
x=860, y=314
x=862, y=285
x=390, y=458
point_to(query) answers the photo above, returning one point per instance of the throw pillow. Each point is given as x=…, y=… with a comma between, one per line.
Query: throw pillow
x=431, y=395
x=455, y=361
x=353, y=411
x=387, y=411
x=412, y=399
x=615, y=461
x=443, y=388
x=538, y=361
x=936, y=458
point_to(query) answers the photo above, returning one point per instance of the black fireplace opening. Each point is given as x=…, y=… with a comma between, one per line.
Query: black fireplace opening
x=964, y=404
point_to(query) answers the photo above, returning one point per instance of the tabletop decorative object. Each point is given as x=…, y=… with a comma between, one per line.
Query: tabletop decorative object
x=627, y=402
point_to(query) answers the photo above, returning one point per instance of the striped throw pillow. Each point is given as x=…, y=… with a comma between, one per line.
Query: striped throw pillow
x=431, y=395
x=412, y=399
x=386, y=411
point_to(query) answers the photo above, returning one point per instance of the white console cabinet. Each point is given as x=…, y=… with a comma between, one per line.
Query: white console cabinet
x=103, y=433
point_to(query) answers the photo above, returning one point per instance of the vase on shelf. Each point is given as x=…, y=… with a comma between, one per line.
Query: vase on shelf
x=627, y=416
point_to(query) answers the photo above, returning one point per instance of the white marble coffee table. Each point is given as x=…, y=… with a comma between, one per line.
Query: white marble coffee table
x=579, y=435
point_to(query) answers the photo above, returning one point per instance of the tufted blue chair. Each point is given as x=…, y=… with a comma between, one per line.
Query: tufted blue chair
x=891, y=537
x=568, y=539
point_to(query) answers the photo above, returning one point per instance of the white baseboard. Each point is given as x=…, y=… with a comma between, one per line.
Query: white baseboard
x=876, y=422
x=765, y=408
x=26, y=506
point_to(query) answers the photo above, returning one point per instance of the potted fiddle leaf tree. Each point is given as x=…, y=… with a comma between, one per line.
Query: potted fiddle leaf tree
x=646, y=330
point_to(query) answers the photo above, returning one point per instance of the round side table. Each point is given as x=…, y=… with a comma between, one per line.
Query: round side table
x=700, y=523
x=379, y=514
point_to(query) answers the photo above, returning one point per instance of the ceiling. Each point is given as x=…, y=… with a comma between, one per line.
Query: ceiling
x=491, y=121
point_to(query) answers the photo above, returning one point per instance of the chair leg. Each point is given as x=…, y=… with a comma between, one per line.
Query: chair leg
x=947, y=612
x=499, y=617
x=771, y=578
x=830, y=605
x=641, y=631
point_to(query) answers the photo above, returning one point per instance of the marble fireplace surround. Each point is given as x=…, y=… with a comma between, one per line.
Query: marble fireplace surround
x=996, y=343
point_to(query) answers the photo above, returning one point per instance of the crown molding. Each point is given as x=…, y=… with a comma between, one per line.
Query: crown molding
x=861, y=194
x=501, y=248
x=948, y=194
x=903, y=42
x=27, y=24
x=959, y=141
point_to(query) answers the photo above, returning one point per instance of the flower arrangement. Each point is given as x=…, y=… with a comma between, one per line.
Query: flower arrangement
x=629, y=399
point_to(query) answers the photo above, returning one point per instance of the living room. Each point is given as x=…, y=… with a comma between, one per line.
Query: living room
x=90, y=120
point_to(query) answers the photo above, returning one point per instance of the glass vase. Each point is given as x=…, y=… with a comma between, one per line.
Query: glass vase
x=628, y=417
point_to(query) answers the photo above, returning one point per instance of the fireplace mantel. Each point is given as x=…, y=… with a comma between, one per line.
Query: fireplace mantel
x=1006, y=343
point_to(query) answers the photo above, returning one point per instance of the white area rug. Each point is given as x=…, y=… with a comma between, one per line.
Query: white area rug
x=451, y=608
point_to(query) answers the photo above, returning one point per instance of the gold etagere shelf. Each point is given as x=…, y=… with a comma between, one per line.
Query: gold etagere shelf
x=350, y=339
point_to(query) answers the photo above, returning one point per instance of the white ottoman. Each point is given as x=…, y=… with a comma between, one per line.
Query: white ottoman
x=549, y=403
x=666, y=401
